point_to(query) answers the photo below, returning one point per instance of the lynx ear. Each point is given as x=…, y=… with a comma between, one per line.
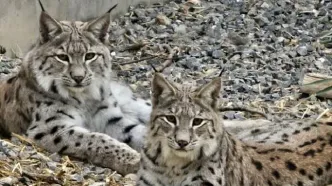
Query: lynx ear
x=48, y=26
x=99, y=27
x=210, y=93
x=161, y=89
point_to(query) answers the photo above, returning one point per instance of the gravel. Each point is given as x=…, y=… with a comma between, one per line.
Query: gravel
x=265, y=48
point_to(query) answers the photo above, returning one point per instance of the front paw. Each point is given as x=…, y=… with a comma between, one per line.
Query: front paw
x=116, y=155
x=130, y=162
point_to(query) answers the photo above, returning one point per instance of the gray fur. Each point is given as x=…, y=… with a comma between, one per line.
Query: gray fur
x=187, y=145
x=66, y=99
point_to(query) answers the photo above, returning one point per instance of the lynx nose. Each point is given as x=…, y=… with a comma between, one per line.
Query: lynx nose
x=78, y=79
x=182, y=143
x=77, y=73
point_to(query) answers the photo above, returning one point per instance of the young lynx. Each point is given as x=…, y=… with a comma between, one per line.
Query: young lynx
x=187, y=145
x=64, y=97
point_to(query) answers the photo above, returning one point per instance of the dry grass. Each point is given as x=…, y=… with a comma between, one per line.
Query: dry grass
x=24, y=163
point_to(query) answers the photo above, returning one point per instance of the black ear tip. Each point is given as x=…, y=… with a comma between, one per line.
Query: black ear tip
x=41, y=6
x=154, y=68
x=222, y=71
x=110, y=10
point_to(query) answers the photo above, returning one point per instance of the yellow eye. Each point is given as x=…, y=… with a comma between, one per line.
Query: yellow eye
x=171, y=119
x=197, y=121
x=89, y=56
x=63, y=57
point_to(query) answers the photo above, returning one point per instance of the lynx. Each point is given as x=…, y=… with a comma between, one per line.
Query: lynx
x=66, y=99
x=187, y=144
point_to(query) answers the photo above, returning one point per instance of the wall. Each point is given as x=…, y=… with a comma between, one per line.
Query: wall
x=19, y=18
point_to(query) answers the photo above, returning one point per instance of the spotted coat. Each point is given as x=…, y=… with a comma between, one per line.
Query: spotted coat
x=187, y=145
x=66, y=99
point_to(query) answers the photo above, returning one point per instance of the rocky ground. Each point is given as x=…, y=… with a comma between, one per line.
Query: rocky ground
x=265, y=48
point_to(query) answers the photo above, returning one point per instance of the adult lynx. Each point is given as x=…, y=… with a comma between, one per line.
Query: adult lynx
x=187, y=144
x=64, y=97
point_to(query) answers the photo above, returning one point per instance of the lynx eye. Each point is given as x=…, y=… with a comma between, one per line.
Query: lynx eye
x=171, y=119
x=197, y=122
x=90, y=56
x=62, y=58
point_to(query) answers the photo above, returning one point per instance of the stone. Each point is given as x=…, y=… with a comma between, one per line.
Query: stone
x=218, y=54
x=319, y=63
x=52, y=165
x=162, y=19
x=139, y=13
x=180, y=29
x=76, y=177
x=98, y=184
x=302, y=50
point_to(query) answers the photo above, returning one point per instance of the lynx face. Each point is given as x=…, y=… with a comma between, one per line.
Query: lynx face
x=71, y=55
x=184, y=118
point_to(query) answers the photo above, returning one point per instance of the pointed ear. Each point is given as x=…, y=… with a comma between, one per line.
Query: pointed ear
x=161, y=89
x=99, y=26
x=48, y=27
x=210, y=93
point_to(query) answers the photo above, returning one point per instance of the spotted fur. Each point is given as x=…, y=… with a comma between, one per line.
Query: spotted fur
x=187, y=145
x=66, y=99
